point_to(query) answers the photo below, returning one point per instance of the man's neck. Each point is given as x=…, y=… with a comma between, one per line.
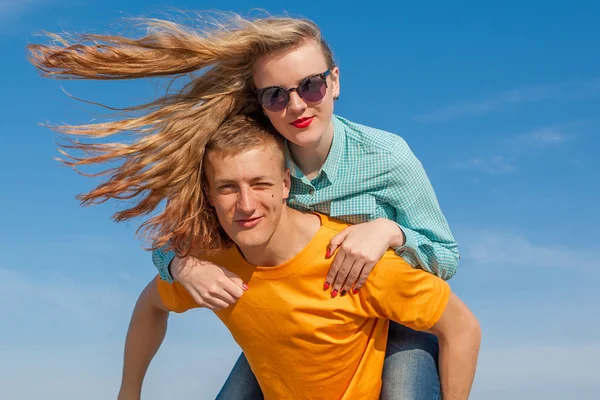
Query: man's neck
x=310, y=159
x=295, y=230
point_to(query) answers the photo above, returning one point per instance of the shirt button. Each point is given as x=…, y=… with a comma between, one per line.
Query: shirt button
x=311, y=191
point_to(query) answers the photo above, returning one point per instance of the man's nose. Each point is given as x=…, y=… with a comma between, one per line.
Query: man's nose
x=247, y=201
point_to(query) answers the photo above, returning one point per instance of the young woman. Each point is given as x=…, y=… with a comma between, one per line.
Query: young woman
x=282, y=69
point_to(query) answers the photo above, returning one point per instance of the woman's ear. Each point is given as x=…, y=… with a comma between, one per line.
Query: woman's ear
x=335, y=82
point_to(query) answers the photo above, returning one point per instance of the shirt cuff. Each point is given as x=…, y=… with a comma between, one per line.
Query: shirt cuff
x=408, y=250
x=161, y=260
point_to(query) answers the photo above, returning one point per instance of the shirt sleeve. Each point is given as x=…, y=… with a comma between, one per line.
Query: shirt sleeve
x=174, y=296
x=161, y=259
x=429, y=242
x=412, y=297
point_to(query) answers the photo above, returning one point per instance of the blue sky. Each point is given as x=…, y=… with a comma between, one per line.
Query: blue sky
x=499, y=102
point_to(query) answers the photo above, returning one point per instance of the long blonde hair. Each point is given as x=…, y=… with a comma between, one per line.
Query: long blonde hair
x=165, y=161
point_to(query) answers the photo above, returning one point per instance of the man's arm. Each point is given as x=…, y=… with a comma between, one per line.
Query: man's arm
x=424, y=302
x=145, y=335
x=459, y=337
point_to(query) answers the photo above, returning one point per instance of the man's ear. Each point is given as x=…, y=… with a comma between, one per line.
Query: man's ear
x=287, y=184
x=208, y=197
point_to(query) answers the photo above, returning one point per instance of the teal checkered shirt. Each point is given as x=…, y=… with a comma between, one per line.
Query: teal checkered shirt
x=370, y=174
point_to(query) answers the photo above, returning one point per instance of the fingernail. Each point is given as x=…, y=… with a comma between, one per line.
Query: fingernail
x=326, y=286
x=343, y=293
x=354, y=291
x=244, y=286
x=334, y=293
x=327, y=255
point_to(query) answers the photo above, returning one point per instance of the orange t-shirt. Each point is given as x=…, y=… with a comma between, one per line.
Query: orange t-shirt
x=301, y=343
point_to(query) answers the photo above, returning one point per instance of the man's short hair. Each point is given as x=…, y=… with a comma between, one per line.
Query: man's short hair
x=241, y=133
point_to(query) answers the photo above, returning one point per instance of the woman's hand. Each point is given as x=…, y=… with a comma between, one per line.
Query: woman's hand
x=211, y=285
x=360, y=248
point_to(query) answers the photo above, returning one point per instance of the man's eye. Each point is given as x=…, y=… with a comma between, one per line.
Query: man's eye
x=262, y=185
x=226, y=188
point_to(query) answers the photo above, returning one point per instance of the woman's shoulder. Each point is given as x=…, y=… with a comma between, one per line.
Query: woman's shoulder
x=367, y=136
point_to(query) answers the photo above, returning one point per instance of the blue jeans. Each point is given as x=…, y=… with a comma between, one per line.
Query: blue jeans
x=409, y=373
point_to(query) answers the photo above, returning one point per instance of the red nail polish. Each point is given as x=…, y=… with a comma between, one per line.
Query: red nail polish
x=326, y=286
x=354, y=291
x=334, y=293
x=327, y=255
x=244, y=286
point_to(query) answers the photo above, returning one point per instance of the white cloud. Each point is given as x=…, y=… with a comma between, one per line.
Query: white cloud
x=10, y=9
x=93, y=372
x=63, y=340
x=545, y=137
x=548, y=135
x=549, y=372
x=528, y=144
x=565, y=91
x=497, y=165
x=498, y=248
x=63, y=294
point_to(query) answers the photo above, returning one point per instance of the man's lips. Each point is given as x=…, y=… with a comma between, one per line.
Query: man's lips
x=248, y=222
x=302, y=122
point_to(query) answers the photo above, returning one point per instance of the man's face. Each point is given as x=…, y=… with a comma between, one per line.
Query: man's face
x=248, y=191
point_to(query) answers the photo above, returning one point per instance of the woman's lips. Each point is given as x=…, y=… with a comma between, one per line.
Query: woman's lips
x=249, y=223
x=302, y=122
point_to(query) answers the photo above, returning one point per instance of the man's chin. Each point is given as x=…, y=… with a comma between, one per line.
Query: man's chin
x=249, y=239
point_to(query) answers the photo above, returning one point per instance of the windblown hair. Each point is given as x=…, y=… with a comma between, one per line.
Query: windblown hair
x=238, y=134
x=164, y=163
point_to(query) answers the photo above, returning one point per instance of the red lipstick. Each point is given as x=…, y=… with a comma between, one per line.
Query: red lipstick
x=302, y=122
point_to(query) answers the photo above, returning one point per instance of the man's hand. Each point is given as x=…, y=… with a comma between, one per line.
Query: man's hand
x=211, y=285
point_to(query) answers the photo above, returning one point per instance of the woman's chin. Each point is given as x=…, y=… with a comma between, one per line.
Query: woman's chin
x=310, y=137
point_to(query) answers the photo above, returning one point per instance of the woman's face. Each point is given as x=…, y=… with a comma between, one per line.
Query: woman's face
x=301, y=122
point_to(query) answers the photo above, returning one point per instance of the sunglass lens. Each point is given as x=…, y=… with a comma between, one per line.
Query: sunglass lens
x=312, y=89
x=274, y=99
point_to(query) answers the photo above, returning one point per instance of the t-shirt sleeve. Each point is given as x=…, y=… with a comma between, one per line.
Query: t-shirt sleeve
x=412, y=297
x=174, y=296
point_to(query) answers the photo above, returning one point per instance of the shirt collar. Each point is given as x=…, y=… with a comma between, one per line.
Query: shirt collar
x=332, y=163
x=294, y=169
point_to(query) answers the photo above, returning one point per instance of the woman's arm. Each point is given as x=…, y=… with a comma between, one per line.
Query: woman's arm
x=211, y=285
x=429, y=243
x=161, y=259
x=419, y=234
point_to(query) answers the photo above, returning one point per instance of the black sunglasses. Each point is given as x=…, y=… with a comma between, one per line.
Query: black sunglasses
x=312, y=89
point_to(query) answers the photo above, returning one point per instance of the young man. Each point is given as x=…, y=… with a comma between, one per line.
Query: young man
x=300, y=343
